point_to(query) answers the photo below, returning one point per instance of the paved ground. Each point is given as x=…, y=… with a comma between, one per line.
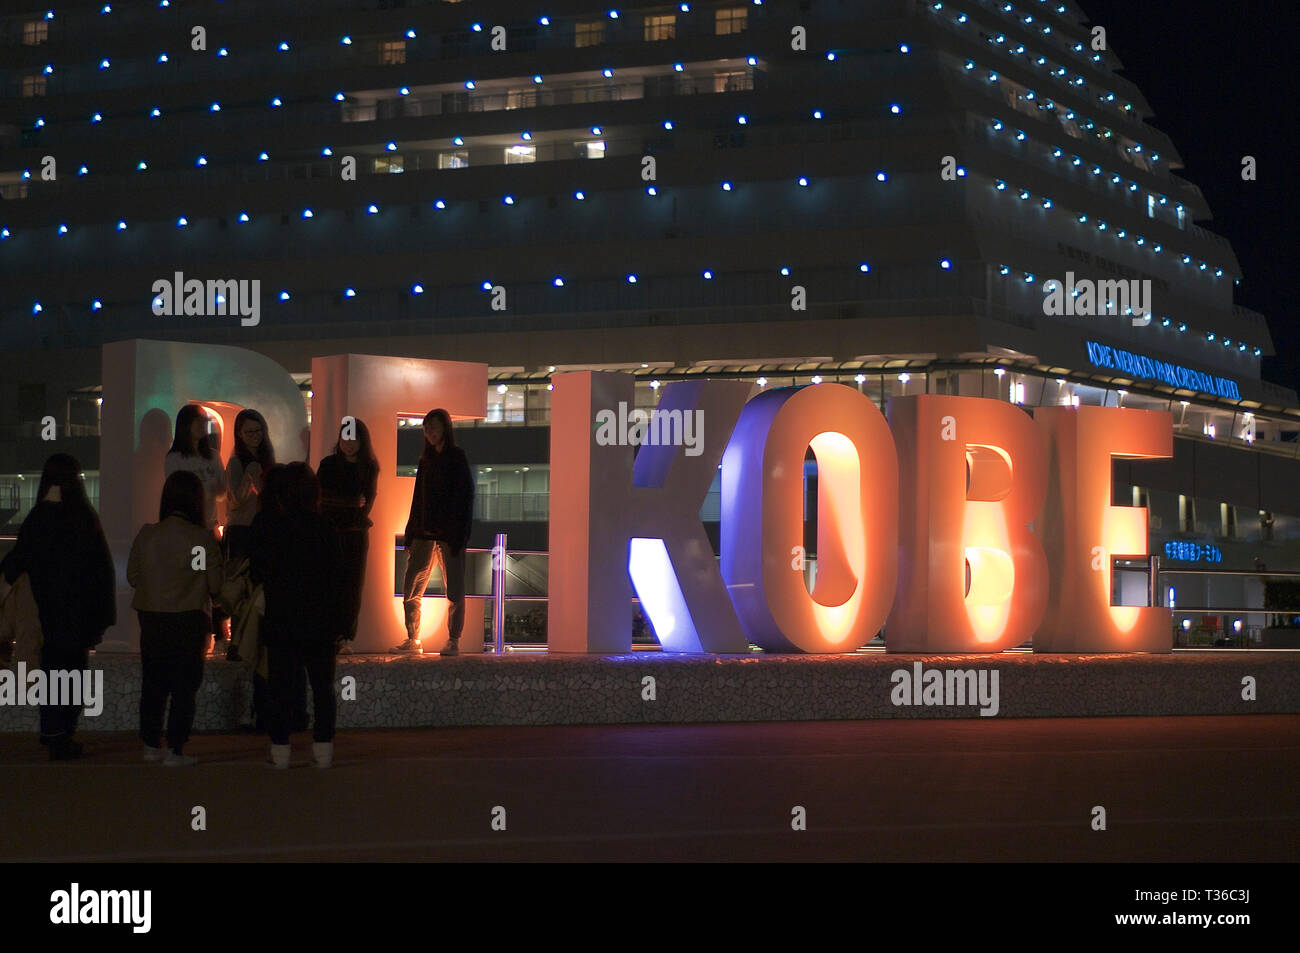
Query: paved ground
x=1174, y=789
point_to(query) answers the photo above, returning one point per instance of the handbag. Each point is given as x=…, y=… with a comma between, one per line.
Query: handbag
x=20, y=623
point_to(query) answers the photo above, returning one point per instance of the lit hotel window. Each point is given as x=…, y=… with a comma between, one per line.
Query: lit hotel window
x=730, y=20
x=517, y=155
x=454, y=160
x=589, y=33
x=525, y=98
x=392, y=53
x=388, y=164
x=591, y=148
x=729, y=82
x=1227, y=520
x=1151, y=206
x=660, y=28
x=34, y=85
x=35, y=32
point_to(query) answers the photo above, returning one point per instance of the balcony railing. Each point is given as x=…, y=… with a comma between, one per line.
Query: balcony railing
x=512, y=507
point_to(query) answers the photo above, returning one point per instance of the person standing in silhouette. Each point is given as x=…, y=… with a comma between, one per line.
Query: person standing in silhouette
x=442, y=511
x=349, y=479
x=62, y=549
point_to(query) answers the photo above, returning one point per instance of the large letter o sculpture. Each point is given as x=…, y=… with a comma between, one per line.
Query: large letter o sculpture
x=763, y=517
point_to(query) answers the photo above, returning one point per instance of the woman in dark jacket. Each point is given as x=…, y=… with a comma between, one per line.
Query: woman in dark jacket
x=295, y=556
x=442, y=511
x=62, y=548
x=349, y=478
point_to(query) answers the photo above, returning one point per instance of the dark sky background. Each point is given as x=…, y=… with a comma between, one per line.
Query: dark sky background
x=1221, y=81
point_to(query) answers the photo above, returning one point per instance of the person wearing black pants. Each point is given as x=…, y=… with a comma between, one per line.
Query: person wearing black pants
x=270, y=506
x=62, y=549
x=176, y=570
x=59, y=722
x=285, y=664
x=442, y=513
x=295, y=556
x=171, y=659
x=349, y=478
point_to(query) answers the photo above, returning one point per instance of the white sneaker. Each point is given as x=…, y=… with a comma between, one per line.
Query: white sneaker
x=152, y=754
x=280, y=756
x=410, y=646
x=322, y=753
x=174, y=760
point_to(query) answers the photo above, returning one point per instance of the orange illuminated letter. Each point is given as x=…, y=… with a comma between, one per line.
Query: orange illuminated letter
x=378, y=390
x=763, y=519
x=972, y=577
x=1082, y=532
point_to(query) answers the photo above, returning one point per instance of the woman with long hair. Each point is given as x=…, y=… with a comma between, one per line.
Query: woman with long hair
x=295, y=556
x=173, y=592
x=246, y=472
x=61, y=547
x=442, y=511
x=349, y=479
x=192, y=450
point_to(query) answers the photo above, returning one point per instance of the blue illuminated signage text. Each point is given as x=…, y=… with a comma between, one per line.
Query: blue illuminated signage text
x=1175, y=375
x=1186, y=552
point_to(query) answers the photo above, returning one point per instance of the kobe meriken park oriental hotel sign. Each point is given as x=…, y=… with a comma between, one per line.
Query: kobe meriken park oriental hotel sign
x=958, y=524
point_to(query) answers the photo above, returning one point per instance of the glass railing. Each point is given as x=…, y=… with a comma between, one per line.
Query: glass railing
x=512, y=507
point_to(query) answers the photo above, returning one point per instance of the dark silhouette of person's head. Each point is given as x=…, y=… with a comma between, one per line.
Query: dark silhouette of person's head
x=63, y=471
x=271, y=499
x=182, y=495
x=300, y=491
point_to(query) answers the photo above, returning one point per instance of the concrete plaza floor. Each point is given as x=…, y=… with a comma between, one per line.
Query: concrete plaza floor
x=1193, y=788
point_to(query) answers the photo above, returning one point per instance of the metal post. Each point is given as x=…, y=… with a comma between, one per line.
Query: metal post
x=1153, y=580
x=499, y=593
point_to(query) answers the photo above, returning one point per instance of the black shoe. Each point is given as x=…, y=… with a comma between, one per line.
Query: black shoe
x=65, y=750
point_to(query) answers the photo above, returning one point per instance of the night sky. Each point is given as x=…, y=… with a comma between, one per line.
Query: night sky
x=1220, y=78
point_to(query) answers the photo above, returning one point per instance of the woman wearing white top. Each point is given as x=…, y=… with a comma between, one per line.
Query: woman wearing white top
x=191, y=451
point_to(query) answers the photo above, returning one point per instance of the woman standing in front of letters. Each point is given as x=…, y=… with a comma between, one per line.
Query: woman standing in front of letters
x=442, y=510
